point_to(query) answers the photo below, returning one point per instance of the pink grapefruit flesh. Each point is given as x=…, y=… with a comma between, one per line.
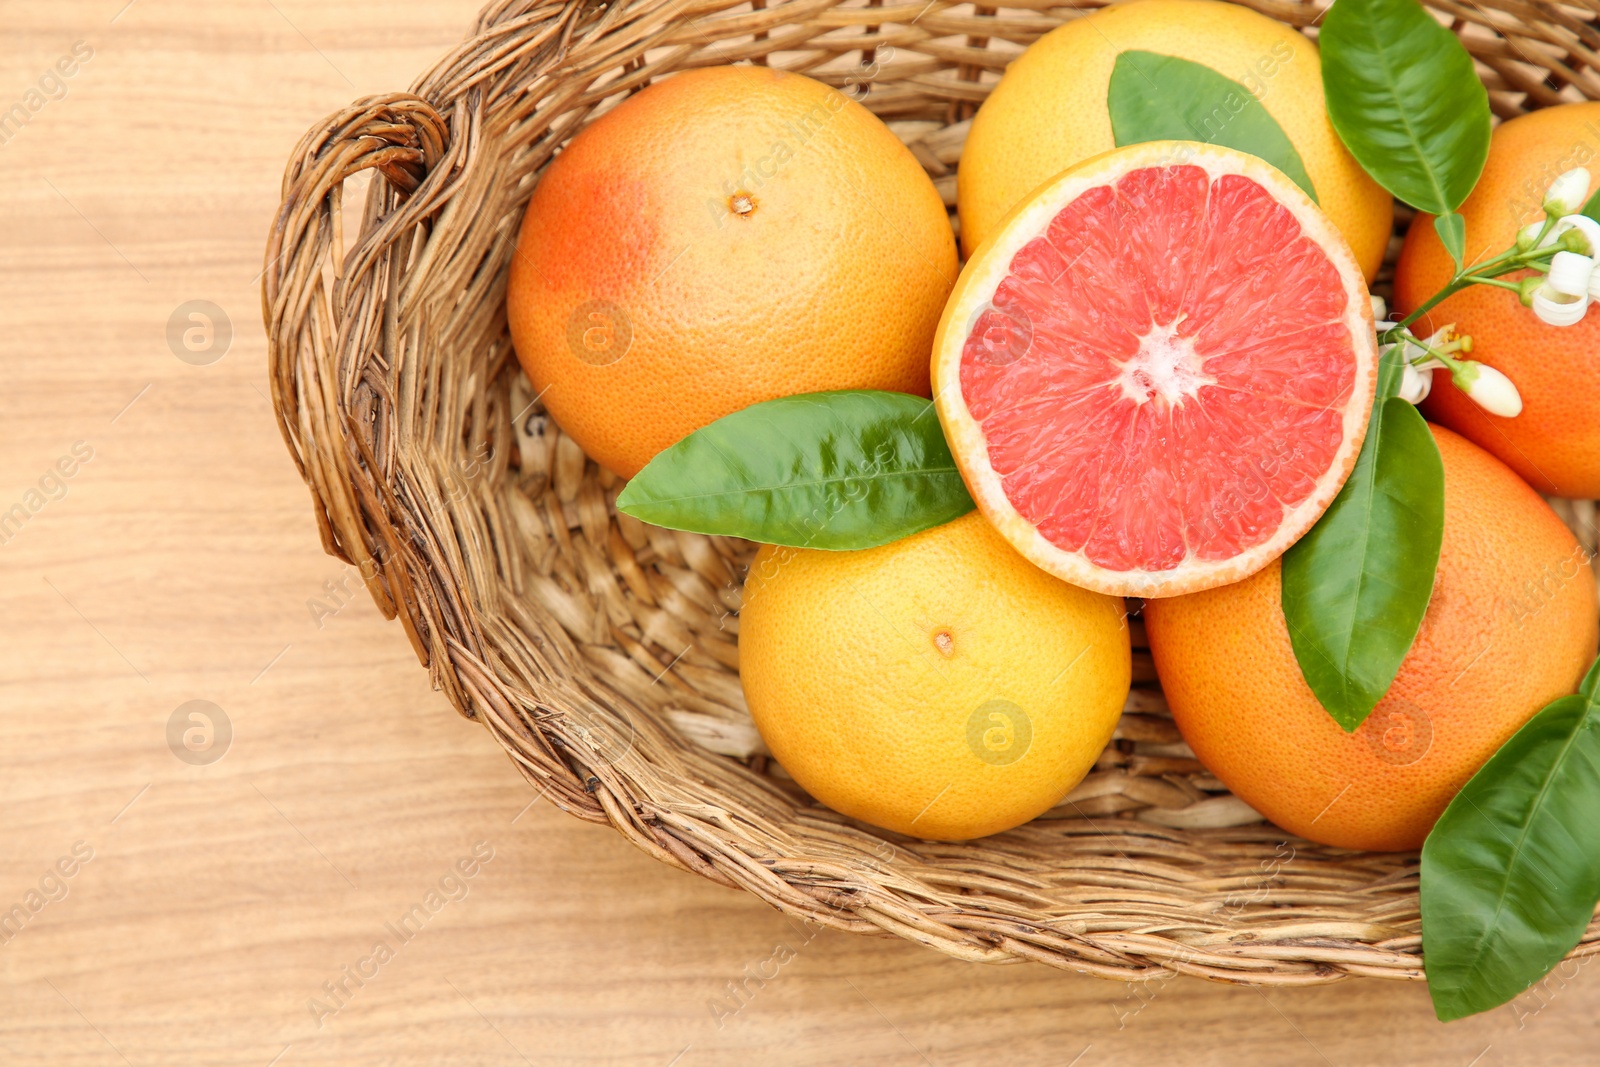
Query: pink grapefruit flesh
x=1156, y=375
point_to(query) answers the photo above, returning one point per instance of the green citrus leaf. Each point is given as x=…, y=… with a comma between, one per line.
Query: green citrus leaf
x=840, y=470
x=1356, y=586
x=1391, y=372
x=1153, y=97
x=1592, y=207
x=1452, y=231
x=1405, y=99
x=1511, y=871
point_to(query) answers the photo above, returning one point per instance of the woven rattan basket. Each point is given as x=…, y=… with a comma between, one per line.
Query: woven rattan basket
x=602, y=653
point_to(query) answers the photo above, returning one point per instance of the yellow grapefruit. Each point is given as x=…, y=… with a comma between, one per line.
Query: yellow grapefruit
x=1049, y=111
x=940, y=686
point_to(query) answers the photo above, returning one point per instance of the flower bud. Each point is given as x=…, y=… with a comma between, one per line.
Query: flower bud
x=1488, y=388
x=1529, y=234
x=1569, y=273
x=1527, y=287
x=1555, y=309
x=1380, y=310
x=1415, y=384
x=1575, y=233
x=1567, y=193
x=1572, y=240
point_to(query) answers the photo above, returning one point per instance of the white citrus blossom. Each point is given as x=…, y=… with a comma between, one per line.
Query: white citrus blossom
x=1567, y=193
x=1438, y=339
x=1380, y=311
x=1488, y=388
x=1556, y=309
x=1416, y=380
x=1569, y=274
x=1416, y=383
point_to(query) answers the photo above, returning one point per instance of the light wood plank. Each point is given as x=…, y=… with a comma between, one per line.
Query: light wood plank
x=178, y=566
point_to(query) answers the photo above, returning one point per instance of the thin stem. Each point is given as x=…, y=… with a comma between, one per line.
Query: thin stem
x=1502, y=257
x=1456, y=284
x=1483, y=274
x=1497, y=283
x=1440, y=354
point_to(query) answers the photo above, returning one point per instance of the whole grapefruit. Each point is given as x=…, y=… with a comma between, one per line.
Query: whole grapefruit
x=940, y=686
x=725, y=236
x=1050, y=110
x=1512, y=625
x=1555, y=442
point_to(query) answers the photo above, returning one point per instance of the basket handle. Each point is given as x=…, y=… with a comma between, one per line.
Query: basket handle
x=399, y=135
x=404, y=138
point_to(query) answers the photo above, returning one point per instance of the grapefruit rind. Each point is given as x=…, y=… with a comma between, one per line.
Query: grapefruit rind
x=991, y=264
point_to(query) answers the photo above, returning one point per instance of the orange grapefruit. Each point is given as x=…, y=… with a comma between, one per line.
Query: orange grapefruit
x=1156, y=375
x=723, y=237
x=940, y=686
x=1050, y=111
x=1555, y=442
x=1512, y=625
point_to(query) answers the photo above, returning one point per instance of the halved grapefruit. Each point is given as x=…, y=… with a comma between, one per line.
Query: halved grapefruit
x=1156, y=374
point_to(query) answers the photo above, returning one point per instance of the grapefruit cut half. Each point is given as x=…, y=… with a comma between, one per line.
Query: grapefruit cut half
x=1156, y=374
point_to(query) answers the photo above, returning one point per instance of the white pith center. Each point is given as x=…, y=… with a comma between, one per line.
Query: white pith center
x=1166, y=366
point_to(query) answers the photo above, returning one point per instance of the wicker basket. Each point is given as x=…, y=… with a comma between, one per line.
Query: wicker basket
x=601, y=653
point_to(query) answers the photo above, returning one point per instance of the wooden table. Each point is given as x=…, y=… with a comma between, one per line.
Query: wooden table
x=227, y=910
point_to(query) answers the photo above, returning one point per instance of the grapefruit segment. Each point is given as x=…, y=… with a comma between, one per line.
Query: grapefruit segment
x=1156, y=375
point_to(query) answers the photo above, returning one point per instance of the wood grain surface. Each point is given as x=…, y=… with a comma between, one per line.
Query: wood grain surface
x=271, y=905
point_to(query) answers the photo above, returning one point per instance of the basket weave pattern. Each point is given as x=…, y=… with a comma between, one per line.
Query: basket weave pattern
x=601, y=653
